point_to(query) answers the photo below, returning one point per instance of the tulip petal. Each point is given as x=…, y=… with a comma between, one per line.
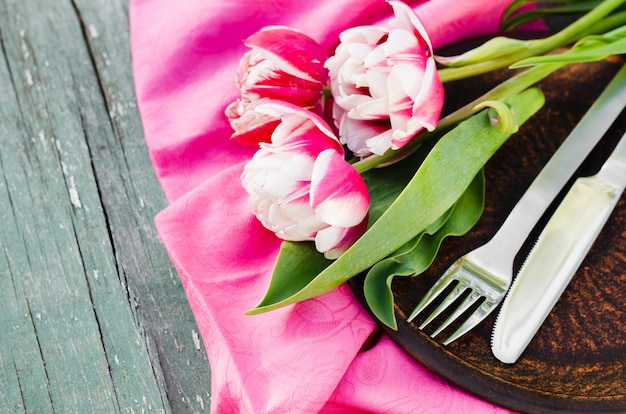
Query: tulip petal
x=306, y=141
x=405, y=18
x=377, y=81
x=287, y=88
x=333, y=240
x=249, y=126
x=277, y=186
x=376, y=58
x=414, y=106
x=329, y=238
x=358, y=51
x=429, y=102
x=354, y=135
x=291, y=127
x=349, y=102
x=279, y=109
x=400, y=99
x=294, y=221
x=365, y=137
x=291, y=51
x=403, y=46
x=253, y=134
x=371, y=109
x=338, y=193
x=363, y=34
x=380, y=143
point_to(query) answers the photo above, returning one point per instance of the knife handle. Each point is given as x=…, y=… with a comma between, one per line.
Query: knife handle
x=559, y=251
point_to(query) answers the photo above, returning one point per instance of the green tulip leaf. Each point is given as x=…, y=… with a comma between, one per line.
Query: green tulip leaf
x=377, y=283
x=417, y=256
x=386, y=184
x=447, y=171
x=296, y=266
x=500, y=116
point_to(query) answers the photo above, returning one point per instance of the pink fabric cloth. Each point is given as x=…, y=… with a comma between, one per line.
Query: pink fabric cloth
x=302, y=358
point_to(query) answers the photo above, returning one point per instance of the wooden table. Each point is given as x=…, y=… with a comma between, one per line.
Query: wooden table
x=93, y=316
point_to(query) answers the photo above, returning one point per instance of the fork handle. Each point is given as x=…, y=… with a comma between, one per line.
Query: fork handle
x=508, y=240
x=503, y=247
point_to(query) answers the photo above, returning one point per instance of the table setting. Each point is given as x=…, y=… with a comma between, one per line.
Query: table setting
x=328, y=323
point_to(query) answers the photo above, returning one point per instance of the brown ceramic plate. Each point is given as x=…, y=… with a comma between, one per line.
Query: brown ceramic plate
x=577, y=360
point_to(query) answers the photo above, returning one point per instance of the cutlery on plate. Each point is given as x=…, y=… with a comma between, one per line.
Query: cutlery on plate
x=487, y=271
x=559, y=251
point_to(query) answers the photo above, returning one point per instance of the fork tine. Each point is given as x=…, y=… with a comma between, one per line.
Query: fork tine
x=477, y=316
x=440, y=285
x=452, y=296
x=467, y=303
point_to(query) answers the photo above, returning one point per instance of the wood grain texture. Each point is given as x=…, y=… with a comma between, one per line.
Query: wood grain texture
x=577, y=361
x=94, y=318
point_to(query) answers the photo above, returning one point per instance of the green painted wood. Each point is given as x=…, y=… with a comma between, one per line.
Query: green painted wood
x=94, y=318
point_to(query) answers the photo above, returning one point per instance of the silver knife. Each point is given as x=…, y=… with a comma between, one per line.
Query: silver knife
x=559, y=251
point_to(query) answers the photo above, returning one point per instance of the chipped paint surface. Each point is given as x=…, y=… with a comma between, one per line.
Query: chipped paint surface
x=90, y=314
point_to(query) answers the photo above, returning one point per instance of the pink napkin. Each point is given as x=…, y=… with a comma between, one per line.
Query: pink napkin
x=305, y=357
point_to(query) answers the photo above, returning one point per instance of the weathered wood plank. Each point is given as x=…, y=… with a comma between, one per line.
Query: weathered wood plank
x=154, y=283
x=48, y=270
x=96, y=318
x=22, y=372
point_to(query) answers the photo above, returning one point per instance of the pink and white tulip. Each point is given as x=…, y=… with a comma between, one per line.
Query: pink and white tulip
x=385, y=84
x=283, y=64
x=301, y=188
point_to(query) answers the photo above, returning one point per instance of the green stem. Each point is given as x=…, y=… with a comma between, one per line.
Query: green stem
x=611, y=22
x=506, y=89
x=535, y=47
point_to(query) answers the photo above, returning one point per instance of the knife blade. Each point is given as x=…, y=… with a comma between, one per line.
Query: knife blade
x=560, y=249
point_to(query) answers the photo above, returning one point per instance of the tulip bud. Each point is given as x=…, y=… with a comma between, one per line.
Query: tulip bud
x=385, y=84
x=283, y=64
x=300, y=186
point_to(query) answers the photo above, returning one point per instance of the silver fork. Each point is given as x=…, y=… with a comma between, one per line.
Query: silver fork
x=487, y=271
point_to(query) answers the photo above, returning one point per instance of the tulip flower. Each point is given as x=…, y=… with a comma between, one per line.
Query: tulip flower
x=385, y=84
x=283, y=64
x=299, y=185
